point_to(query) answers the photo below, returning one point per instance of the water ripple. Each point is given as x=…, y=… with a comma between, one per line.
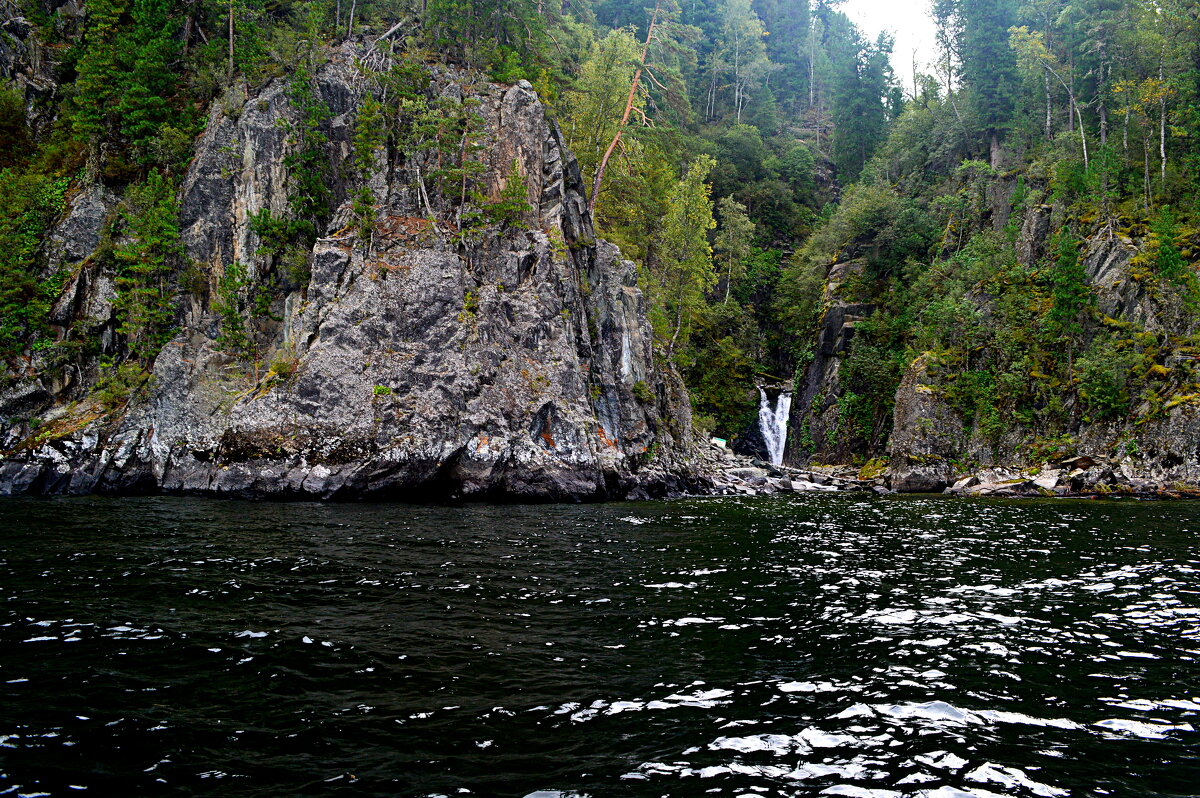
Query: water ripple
x=831, y=645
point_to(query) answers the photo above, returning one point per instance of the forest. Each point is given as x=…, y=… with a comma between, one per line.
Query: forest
x=737, y=150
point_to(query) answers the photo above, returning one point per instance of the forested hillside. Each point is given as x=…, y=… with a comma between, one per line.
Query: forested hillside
x=752, y=115
x=796, y=216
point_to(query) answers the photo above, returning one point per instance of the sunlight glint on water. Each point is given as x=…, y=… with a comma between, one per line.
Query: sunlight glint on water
x=821, y=645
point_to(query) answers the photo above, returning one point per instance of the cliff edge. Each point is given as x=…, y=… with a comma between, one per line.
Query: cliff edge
x=405, y=352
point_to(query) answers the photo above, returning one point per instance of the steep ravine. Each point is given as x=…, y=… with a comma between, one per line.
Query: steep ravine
x=516, y=363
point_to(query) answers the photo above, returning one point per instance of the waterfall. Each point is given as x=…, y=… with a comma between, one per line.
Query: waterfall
x=773, y=423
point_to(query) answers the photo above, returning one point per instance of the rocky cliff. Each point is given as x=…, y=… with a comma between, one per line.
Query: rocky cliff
x=1114, y=409
x=408, y=354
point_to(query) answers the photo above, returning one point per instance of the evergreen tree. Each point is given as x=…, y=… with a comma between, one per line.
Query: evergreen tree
x=126, y=74
x=989, y=68
x=145, y=265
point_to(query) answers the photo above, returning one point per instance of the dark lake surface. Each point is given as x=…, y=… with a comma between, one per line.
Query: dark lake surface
x=814, y=645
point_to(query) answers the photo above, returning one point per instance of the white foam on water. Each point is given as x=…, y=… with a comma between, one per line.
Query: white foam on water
x=942, y=760
x=1000, y=716
x=953, y=792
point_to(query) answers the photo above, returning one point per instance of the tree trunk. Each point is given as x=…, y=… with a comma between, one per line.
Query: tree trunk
x=678, y=326
x=812, y=75
x=1103, y=107
x=737, y=77
x=1125, y=131
x=612, y=145
x=1049, y=111
x=1075, y=107
x=350, y=27
x=1146, y=168
x=1103, y=123
x=1082, y=134
x=230, y=41
x=1162, y=126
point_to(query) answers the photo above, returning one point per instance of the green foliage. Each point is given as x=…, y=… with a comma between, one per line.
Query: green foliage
x=642, y=392
x=285, y=362
x=307, y=161
x=275, y=233
x=29, y=203
x=733, y=241
x=362, y=214
x=122, y=384
x=682, y=273
x=233, y=336
x=592, y=107
x=381, y=390
x=1104, y=379
x=989, y=66
x=720, y=369
x=875, y=223
x=862, y=87
x=872, y=373
x=505, y=36
x=14, y=135
x=797, y=168
x=1069, y=291
x=126, y=77
x=511, y=208
x=1168, y=260
x=370, y=135
x=287, y=242
x=146, y=263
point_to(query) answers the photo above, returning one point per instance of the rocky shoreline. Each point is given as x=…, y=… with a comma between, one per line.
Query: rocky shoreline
x=1080, y=477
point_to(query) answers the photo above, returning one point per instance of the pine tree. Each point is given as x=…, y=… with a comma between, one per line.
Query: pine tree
x=145, y=265
x=989, y=68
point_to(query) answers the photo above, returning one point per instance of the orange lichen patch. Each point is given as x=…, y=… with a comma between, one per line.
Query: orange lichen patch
x=607, y=441
x=483, y=441
x=391, y=263
x=547, y=438
x=403, y=227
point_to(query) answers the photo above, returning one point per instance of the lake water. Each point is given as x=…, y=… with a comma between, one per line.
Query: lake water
x=811, y=645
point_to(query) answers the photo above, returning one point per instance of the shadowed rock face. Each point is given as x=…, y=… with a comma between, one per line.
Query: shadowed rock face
x=420, y=366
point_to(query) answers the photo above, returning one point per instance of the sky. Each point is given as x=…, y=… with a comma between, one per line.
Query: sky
x=909, y=22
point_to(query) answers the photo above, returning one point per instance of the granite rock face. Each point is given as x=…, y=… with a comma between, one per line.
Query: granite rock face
x=512, y=363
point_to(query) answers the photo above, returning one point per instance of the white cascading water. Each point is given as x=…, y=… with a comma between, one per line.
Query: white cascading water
x=773, y=423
